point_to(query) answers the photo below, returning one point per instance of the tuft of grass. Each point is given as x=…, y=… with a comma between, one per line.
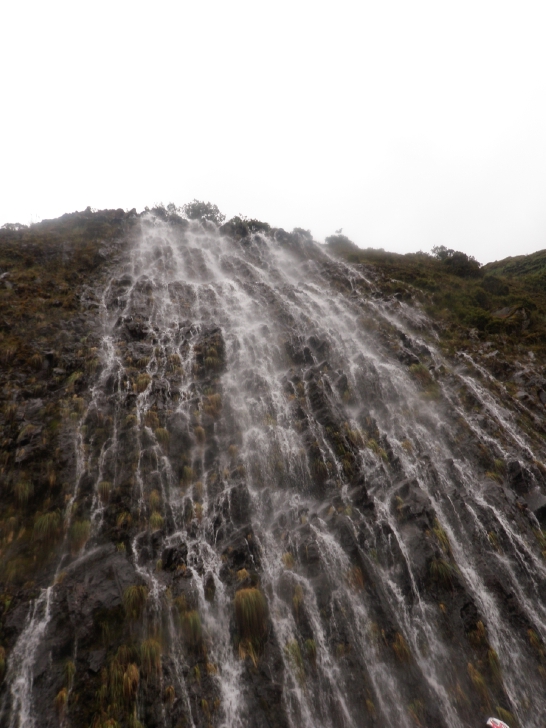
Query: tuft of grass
x=441, y=537
x=297, y=599
x=494, y=664
x=191, y=629
x=47, y=527
x=242, y=575
x=401, y=648
x=293, y=652
x=535, y=641
x=355, y=578
x=199, y=433
x=150, y=656
x=162, y=436
x=187, y=475
x=478, y=636
x=505, y=715
x=310, y=647
x=61, y=700
x=441, y=572
x=251, y=618
x=134, y=600
x=151, y=419
x=288, y=560
x=377, y=449
x=416, y=710
x=23, y=490
x=69, y=673
x=131, y=678
x=156, y=521
x=212, y=404
x=169, y=695
x=479, y=684
x=104, y=489
x=79, y=535
x=141, y=383
x=154, y=499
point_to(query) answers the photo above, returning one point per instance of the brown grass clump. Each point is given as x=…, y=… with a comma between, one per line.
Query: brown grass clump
x=251, y=620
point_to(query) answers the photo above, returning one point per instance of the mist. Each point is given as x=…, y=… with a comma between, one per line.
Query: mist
x=406, y=125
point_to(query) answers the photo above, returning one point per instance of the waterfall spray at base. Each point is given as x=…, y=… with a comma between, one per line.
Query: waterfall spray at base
x=291, y=510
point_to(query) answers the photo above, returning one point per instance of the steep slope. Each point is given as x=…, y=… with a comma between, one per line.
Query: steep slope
x=257, y=485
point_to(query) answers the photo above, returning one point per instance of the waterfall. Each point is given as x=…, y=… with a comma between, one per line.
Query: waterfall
x=291, y=509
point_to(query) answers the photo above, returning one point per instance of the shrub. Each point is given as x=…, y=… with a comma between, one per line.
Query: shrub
x=23, y=491
x=198, y=210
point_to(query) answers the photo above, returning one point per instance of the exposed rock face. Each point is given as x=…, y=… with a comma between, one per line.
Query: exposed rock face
x=242, y=487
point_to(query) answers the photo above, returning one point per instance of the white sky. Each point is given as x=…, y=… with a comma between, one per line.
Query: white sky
x=409, y=123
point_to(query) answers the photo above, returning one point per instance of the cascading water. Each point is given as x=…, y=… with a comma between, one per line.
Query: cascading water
x=291, y=510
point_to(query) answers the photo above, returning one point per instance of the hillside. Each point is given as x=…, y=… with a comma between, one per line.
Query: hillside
x=251, y=481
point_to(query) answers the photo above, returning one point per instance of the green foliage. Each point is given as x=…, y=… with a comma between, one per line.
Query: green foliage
x=198, y=210
x=341, y=244
x=134, y=600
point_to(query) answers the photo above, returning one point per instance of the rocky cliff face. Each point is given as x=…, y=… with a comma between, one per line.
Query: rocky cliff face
x=244, y=485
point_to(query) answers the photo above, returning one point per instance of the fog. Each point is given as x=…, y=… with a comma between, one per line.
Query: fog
x=406, y=124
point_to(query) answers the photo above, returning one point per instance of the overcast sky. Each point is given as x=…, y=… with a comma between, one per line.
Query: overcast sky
x=408, y=123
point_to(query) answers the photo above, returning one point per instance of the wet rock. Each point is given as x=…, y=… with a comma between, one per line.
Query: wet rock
x=519, y=478
x=536, y=502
